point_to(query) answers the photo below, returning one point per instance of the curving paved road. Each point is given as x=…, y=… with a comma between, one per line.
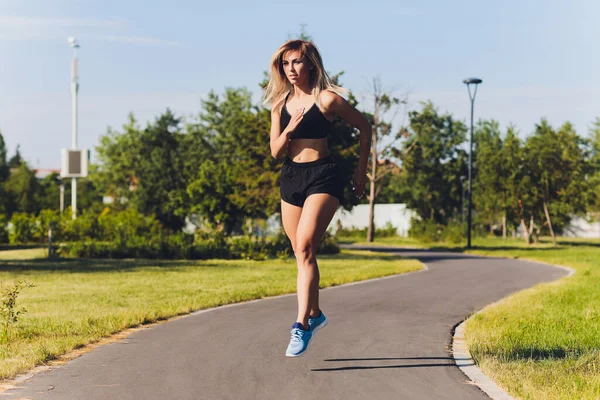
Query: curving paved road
x=386, y=339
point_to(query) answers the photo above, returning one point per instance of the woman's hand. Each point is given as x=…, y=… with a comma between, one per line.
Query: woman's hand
x=358, y=183
x=295, y=120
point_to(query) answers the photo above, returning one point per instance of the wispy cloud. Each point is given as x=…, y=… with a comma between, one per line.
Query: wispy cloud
x=26, y=28
x=141, y=40
x=24, y=21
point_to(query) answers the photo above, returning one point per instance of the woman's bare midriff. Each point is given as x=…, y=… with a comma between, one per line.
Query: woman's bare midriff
x=307, y=150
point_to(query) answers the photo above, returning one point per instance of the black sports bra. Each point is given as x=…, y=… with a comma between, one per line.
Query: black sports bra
x=313, y=125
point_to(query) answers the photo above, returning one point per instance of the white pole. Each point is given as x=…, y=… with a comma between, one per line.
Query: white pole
x=74, y=92
x=62, y=198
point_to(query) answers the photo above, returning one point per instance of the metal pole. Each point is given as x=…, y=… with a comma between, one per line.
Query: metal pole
x=469, y=220
x=462, y=202
x=468, y=82
x=74, y=92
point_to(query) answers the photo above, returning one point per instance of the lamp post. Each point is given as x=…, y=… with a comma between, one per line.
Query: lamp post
x=74, y=91
x=469, y=82
x=462, y=202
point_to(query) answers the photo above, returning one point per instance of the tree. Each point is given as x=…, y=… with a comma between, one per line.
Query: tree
x=146, y=169
x=4, y=173
x=489, y=168
x=238, y=179
x=23, y=191
x=4, y=170
x=16, y=160
x=118, y=154
x=515, y=181
x=431, y=183
x=160, y=188
x=595, y=165
x=50, y=192
x=558, y=166
x=383, y=141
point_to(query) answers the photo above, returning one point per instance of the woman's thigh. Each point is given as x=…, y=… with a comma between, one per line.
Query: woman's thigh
x=317, y=213
x=290, y=216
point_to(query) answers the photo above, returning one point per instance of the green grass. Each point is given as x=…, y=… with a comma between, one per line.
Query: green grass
x=77, y=302
x=543, y=342
x=27, y=254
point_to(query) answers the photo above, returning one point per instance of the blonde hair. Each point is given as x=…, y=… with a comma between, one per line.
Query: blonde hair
x=279, y=85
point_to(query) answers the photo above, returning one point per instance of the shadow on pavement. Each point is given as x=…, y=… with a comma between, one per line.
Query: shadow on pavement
x=389, y=358
x=381, y=367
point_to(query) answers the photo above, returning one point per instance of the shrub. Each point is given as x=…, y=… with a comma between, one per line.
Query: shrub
x=361, y=233
x=23, y=228
x=3, y=230
x=425, y=231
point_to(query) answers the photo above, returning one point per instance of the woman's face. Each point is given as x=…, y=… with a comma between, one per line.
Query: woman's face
x=296, y=67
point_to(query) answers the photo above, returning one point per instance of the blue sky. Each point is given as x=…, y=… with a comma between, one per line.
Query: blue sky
x=536, y=58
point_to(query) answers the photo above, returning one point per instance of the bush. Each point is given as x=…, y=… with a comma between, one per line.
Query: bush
x=129, y=234
x=84, y=227
x=361, y=233
x=44, y=219
x=185, y=246
x=122, y=226
x=3, y=230
x=329, y=245
x=425, y=231
x=430, y=232
x=23, y=228
x=455, y=233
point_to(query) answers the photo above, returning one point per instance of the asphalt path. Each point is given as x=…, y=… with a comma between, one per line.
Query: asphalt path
x=386, y=339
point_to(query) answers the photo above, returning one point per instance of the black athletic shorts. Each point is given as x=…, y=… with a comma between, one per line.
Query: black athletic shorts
x=300, y=180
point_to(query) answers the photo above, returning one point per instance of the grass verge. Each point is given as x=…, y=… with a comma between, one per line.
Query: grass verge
x=78, y=302
x=544, y=342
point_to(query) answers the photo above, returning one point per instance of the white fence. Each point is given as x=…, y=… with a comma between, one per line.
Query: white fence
x=395, y=214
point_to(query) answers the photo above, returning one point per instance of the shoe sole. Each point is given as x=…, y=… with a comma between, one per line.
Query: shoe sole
x=318, y=328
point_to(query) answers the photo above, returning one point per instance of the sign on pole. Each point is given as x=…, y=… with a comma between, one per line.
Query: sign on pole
x=74, y=163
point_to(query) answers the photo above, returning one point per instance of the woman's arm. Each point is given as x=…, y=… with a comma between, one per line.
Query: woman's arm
x=335, y=103
x=280, y=140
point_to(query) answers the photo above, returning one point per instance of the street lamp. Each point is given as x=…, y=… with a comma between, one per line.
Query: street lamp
x=74, y=91
x=469, y=82
x=462, y=199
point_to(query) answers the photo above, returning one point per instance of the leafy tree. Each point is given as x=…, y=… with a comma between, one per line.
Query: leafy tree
x=50, y=192
x=238, y=179
x=558, y=166
x=488, y=191
x=4, y=170
x=118, y=154
x=383, y=142
x=515, y=181
x=160, y=187
x=16, y=160
x=431, y=183
x=595, y=165
x=146, y=168
x=23, y=190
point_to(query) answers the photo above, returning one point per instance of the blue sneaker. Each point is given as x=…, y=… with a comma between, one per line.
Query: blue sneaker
x=317, y=323
x=299, y=341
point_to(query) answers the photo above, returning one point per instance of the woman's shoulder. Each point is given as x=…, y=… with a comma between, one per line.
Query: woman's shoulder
x=329, y=99
x=277, y=104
